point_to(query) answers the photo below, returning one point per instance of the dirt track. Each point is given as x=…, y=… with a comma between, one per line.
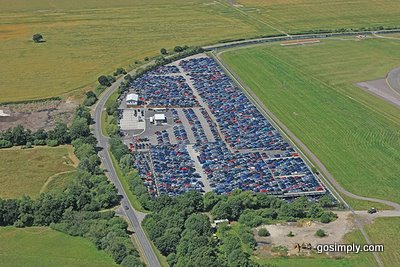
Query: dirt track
x=305, y=233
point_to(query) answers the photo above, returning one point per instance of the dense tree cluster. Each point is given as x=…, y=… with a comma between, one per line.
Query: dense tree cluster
x=232, y=241
x=59, y=135
x=90, y=98
x=75, y=209
x=182, y=232
x=106, y=80
x=105, y=230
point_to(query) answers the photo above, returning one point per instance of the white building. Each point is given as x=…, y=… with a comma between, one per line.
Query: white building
x=132, y=99
x=159, y=119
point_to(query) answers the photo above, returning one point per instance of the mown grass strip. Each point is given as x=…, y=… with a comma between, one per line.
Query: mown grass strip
x=125, y=184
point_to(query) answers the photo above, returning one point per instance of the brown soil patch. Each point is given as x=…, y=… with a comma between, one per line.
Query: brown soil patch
x=304, y=232
x=37, y=115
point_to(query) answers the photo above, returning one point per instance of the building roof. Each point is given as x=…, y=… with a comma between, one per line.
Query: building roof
x=132, y=97
x=159, y=117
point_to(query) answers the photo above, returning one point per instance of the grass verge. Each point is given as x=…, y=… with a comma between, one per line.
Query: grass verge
x=125, y=184
x=105, y=118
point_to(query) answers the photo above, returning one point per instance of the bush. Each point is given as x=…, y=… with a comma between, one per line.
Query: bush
x=163, y=51
x=119, y=71
x=320, y=233
x=90, y=101
x=5, y=144
x=28, y=145
x=328, y=217
x=178, y=49
x=263, y=232
x=39, y=142
x=103, y=80
x=52, y=143
x=100, y=89
x=290, y=234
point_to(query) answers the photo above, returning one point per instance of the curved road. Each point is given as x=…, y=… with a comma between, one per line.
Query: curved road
x=393, y=80
x=143, y=242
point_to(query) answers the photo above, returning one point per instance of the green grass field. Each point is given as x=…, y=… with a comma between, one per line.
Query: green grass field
x=35, y=246
x=386, y=231
x=310, y=89
x=365, y=205
x=300, y=15
x=59, y=181
x=25, y=171
x=87, y=38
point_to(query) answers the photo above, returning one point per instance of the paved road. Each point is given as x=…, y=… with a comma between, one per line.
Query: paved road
x=328, y=178
x=393, y=80
x=294, y=37
x=133, y=216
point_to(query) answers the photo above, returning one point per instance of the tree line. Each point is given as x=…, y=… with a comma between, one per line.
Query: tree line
x=74, y=210
x=61, y=134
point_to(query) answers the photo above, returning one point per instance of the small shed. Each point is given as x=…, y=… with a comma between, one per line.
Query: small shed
x=132, y=99
x=159, y=119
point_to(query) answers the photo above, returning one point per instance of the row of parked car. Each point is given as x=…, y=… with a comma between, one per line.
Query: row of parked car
x=211, y=123
x=179, y=130
x=174, y=170
x=243, y=126
x=227, y=171
x=195, y=126
x=164, y=91
x=142, y=163
x=165, y=70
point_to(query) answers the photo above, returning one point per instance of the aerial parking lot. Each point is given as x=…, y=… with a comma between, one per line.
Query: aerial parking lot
x=202, y=133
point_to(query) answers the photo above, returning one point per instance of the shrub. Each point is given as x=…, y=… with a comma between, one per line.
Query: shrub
x=119, y=71
x=52, y=143
x=5, y=144
x=89, y=101
x=328, y=217
x=320, y=233
x=263, y=232
x=290, y=234
x=103, y=80
x=163, y=51
x=28, y=145
x=37, y=38
x=39, y=142
x=100, y=89
x=178, y=49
